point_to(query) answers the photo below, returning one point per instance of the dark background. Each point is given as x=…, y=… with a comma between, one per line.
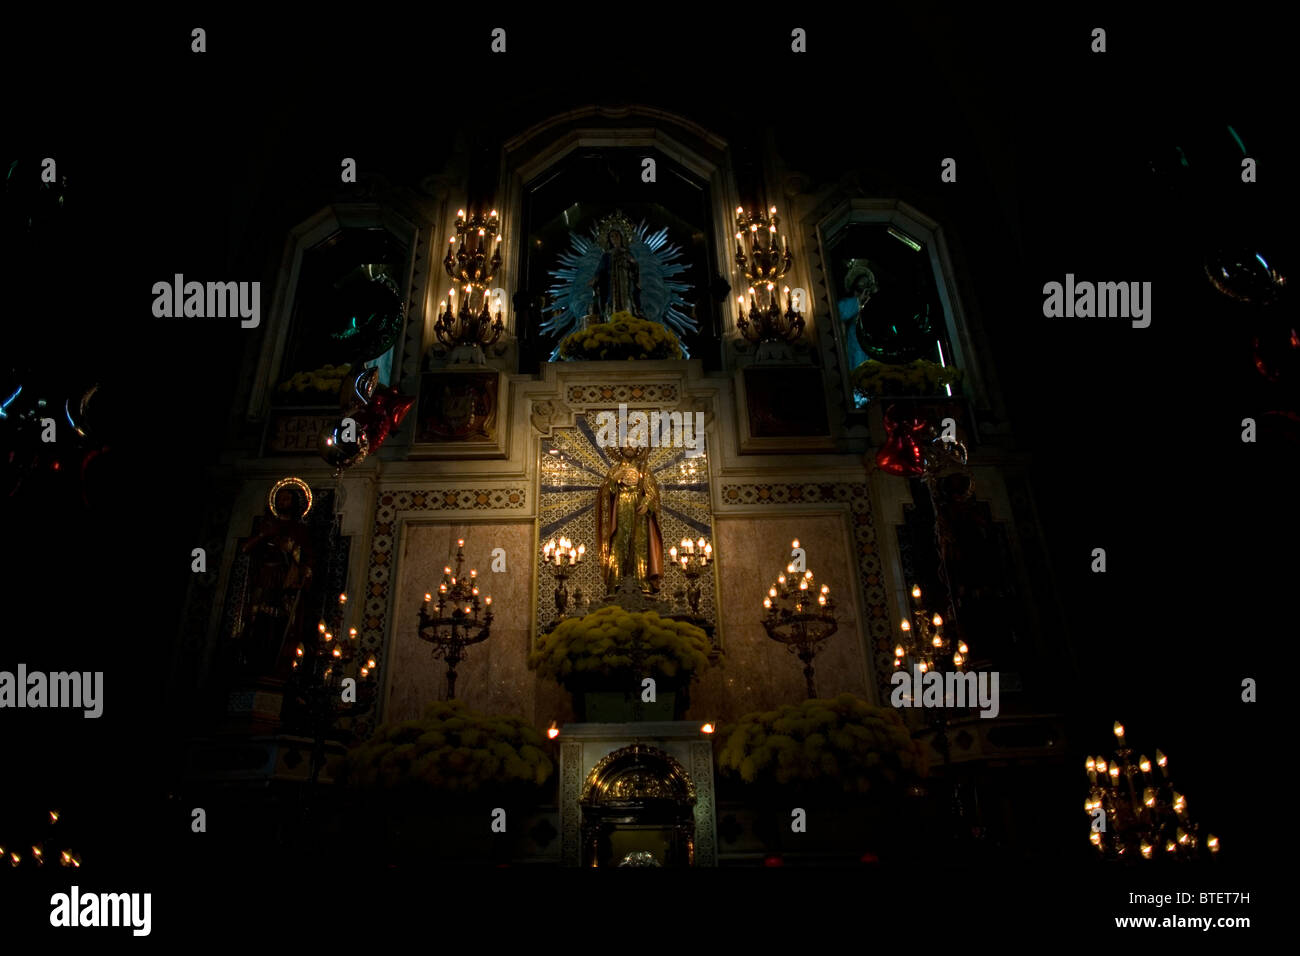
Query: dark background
x=179, y=162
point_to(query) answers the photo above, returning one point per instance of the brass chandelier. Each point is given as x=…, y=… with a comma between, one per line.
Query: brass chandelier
x=800, y=616
x=461, y=618
x=764, y=266
x=472, y=266
x=1136, y=813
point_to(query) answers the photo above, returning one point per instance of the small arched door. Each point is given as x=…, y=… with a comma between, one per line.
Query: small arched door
x=638, y=809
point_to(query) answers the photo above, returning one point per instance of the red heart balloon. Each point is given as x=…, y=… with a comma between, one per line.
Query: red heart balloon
x=900, y=454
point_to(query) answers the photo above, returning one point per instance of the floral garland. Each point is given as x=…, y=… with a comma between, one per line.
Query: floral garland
x=624, y=336
x=921, y=377
x=602, y=644
x=452, y=749
x=844, y=739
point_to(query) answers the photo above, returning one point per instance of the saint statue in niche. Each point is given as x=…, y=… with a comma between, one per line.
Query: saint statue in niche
x=627, y=523
x=279, y=575
x=860, y=284
x=617, y=282
x=889, y=317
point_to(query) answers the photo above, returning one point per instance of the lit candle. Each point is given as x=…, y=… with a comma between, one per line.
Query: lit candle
x=582, y=549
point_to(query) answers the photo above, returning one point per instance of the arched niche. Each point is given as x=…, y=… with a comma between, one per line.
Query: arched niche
x=307, y=235
x=902, y=222
x=686, y=149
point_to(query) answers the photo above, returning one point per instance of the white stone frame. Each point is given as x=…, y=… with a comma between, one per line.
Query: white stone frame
x=921, y=227
x=325, y=223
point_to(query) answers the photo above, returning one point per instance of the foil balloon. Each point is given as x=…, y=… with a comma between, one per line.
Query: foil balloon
x=372, y=316
x=340, y=453
x=382, y=415
x=1244, y=275
x=901, y=454
x=357, y=389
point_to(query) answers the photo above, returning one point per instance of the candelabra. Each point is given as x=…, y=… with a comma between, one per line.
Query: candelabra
x=562, y=558
x=799, y=616
x=316, y=685
x=694, y=557
x=472, y=265
x=763, y=266
x=925, y=644
x=928, y=647
x=460, y=620
x=1142, y=815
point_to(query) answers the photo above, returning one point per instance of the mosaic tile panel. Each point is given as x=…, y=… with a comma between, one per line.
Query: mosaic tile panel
x=572, y=469
x=637, y=392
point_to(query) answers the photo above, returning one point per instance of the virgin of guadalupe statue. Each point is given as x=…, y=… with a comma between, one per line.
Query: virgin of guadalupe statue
x=279, y=574
x=627, y=523
x=618, y=278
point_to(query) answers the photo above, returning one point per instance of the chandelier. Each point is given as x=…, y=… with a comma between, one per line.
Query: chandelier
x=316, y=684
x=763, y=266
x=925, y=644
x=458, y=619
x=800, y=616
x=472, y=266
x=1135, y=810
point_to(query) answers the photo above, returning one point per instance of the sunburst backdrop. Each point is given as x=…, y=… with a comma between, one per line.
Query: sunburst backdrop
x=572, y=468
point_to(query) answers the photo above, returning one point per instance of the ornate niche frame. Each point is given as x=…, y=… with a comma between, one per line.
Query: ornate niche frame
x=638, y=787
x=302, y=237
x=826, y=224
x=530, y=154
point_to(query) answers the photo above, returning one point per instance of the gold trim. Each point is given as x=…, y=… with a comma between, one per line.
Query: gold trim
x=600, y=788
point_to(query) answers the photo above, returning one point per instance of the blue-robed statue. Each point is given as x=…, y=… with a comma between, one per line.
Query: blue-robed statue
x=618, y=280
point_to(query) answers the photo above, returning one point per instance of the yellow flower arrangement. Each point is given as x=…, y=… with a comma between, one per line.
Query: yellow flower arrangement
x=624, y=336
x=602, y=644
x=451, y=749
x=921, y=377
x=845, y=740
x=326, y=380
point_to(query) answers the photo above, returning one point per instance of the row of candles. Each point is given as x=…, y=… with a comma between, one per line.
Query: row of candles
x=66, y=857
x=554, y=552
x=700, y=550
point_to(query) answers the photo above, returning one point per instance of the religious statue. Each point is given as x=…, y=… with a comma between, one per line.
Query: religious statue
x=619, y=266
x=895, y=329
x=618, y=279
x=279, y=576
x=860, y=284
x=627, y=523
